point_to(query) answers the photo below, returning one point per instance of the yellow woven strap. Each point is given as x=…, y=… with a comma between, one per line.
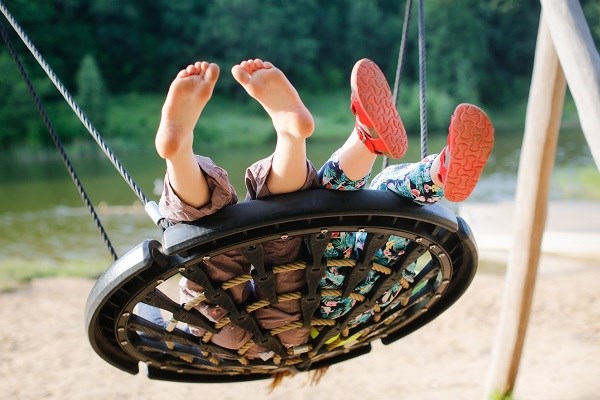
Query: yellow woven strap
x=242, y=350
x=286, y=328
x=222, y=323
x=292, y=361
x=206, y=337
x=381, y=268
x=210, y=357
x=194, y=302
x=280, y=298
x=322, y=322
x=338, y=293
x=236, y=281
x=187, y=359
x=293, y=266
x=341, y=263
x=297, y=265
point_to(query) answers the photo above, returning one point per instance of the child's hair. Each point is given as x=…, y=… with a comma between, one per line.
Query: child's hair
x=314, y=377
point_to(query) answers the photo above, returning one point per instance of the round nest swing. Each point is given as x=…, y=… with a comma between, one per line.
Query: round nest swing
x=439, y=242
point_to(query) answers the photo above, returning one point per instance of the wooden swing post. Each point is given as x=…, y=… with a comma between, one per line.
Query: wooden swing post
x=580, y=62
x=568, y=44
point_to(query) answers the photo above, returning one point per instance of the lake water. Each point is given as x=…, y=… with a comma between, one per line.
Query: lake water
x=42, y=215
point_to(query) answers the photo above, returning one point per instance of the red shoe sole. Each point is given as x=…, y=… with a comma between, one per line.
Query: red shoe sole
x=371, y=90
x=470, y=142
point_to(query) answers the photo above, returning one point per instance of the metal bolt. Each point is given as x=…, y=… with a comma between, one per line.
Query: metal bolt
x=432, y=247
x=159, y=281
x=121, y=329
x=361, y=229
x=442, y=255
x=180, y=371
x=284, y=237
x=126, y=314
x=163, y=367
x=324, y=230
x=181, y=269
x=206, y=258
x=424, y=310
x=124, y=343
x=419, y=239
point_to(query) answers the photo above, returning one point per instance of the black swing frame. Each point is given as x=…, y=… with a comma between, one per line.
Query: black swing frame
x=113, y=329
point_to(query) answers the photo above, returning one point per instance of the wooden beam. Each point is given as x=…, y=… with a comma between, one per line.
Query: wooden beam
x=544, y=110
x=580, y=62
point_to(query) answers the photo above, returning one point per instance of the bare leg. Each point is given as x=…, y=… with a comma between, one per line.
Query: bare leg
x=355, y=159
x=188, y=94
x=291, y=119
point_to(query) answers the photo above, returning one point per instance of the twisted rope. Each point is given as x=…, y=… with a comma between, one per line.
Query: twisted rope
x=76, y=109
x=400, y=63
x=57, y=143
x=422, y=80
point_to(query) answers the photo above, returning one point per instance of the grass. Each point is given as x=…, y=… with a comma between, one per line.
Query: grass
x=581, y=182
x=17, y=273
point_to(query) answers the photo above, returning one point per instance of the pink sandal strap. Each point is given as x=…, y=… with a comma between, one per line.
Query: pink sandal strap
x=443, y=172
x=374, y=145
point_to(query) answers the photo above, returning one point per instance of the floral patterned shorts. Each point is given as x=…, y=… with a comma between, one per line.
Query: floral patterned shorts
x=412, y=181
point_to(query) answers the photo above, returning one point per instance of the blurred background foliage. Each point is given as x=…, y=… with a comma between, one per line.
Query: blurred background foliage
x=119, y=56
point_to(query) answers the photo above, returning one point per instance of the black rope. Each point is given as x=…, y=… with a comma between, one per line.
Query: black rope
x=163, y=223
x=422, y=80
x=84, y=120
x=400, y=64
x=56, y=141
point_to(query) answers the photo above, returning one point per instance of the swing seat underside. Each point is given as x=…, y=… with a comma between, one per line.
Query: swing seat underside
x=440, y=243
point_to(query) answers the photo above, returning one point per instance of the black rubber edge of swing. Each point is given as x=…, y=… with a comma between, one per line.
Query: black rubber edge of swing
x=461, y=280
x=138, y=259
x=149, y=255
x=288, y=207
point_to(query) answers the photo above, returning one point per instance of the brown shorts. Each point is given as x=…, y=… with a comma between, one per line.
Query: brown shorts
x=233, y=264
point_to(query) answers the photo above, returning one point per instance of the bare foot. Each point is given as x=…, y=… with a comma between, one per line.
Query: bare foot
x=188, y=94
x=270, y=87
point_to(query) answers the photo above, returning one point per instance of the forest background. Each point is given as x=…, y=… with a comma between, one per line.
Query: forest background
x=118, y=58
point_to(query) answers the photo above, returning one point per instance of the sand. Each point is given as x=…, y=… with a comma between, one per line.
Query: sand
x=44, y=352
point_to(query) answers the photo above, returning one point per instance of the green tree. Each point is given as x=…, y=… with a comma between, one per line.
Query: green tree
x=91, y=93
x=234, y=30
x=456, y=49
x=591, y=8
x=19, y=121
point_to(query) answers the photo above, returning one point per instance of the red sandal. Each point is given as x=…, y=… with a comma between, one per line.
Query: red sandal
x=470, y=142
x=378, y=124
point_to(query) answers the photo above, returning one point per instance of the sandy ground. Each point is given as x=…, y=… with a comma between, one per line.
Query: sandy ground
x=44, y=352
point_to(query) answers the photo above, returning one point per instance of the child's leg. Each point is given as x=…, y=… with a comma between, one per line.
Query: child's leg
x=188, y=94
x=455, y=171
x=291, y=119
x=378, y=130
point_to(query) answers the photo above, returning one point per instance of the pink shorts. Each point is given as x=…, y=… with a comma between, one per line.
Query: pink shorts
x=227, y=266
